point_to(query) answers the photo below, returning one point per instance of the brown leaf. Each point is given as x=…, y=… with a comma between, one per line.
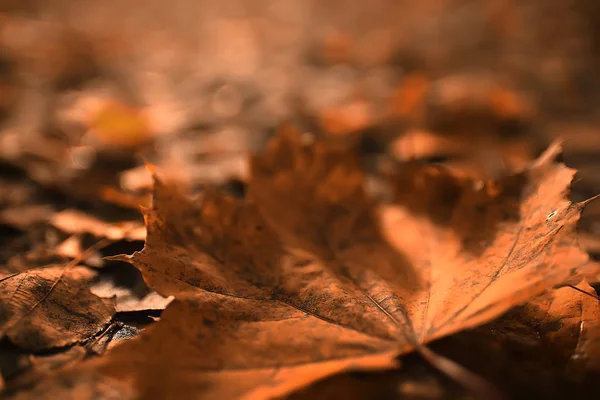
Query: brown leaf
x=569, y=318
x=123, y=199
x=529, y=352
x=119, y=125
x=347, y=119
x=586, y=356
x=33, y=368
x=50, y=307
x=25, y=216
x=22, y=203
x=127, y=300
x=76, y=222
x=311, y=277
x=479, y=158
x=36, y=248
x=479, y=250
x=409, y=99
x=202, y=340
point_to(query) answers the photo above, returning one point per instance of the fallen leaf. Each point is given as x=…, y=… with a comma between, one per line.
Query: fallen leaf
x=586, y=356
x=196, y=337
x=531, y=351
x=21, y=202
x=122, y=199
x=126, y=300
x=119, y=125
x=36, y=367
x=347, y=119
x=310, y=277
x=569, y=316
x=70, y=247
x=22, y=369
x=50, y=307
x=480, y=159
x=38, y=247
x=25, y=216
x=409, y=99
x=479, y=249
x=136, y=179
x=46, y=363
x=77, y=222
x=336, y=47
x=476, y=103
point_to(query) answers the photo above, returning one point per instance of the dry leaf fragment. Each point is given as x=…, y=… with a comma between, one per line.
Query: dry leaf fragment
x=569, y=318
x=25, y=216
x=310, y=277
x=36, y=367
x=120, y=125
x=70, y=248
x=530, y=351
x=409, y=99
x=127, y=300
x=50, y=307
x=76, y=222
x=586, y=356
x=21, y=203
x=347, y=118
x=124, y=199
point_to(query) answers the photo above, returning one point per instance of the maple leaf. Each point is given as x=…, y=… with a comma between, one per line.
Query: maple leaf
x=478, y=248
x=310, y=277
x=51, y=307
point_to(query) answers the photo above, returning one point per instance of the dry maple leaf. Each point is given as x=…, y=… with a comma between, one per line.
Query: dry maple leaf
x=311, y=277
x=478, y=248
x=51, y=307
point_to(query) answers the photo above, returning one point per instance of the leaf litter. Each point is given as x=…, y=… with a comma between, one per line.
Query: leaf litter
x=309, y=276
x=337, y=278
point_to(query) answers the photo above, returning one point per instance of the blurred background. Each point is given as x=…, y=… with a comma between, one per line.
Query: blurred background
x=91, y=90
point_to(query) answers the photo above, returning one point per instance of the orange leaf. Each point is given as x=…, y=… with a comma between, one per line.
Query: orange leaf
x=309, y=276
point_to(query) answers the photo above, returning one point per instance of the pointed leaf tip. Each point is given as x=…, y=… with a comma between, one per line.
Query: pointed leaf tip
x=153, y=170
x=119, y=257
x=584, y=203
x=150, y=167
